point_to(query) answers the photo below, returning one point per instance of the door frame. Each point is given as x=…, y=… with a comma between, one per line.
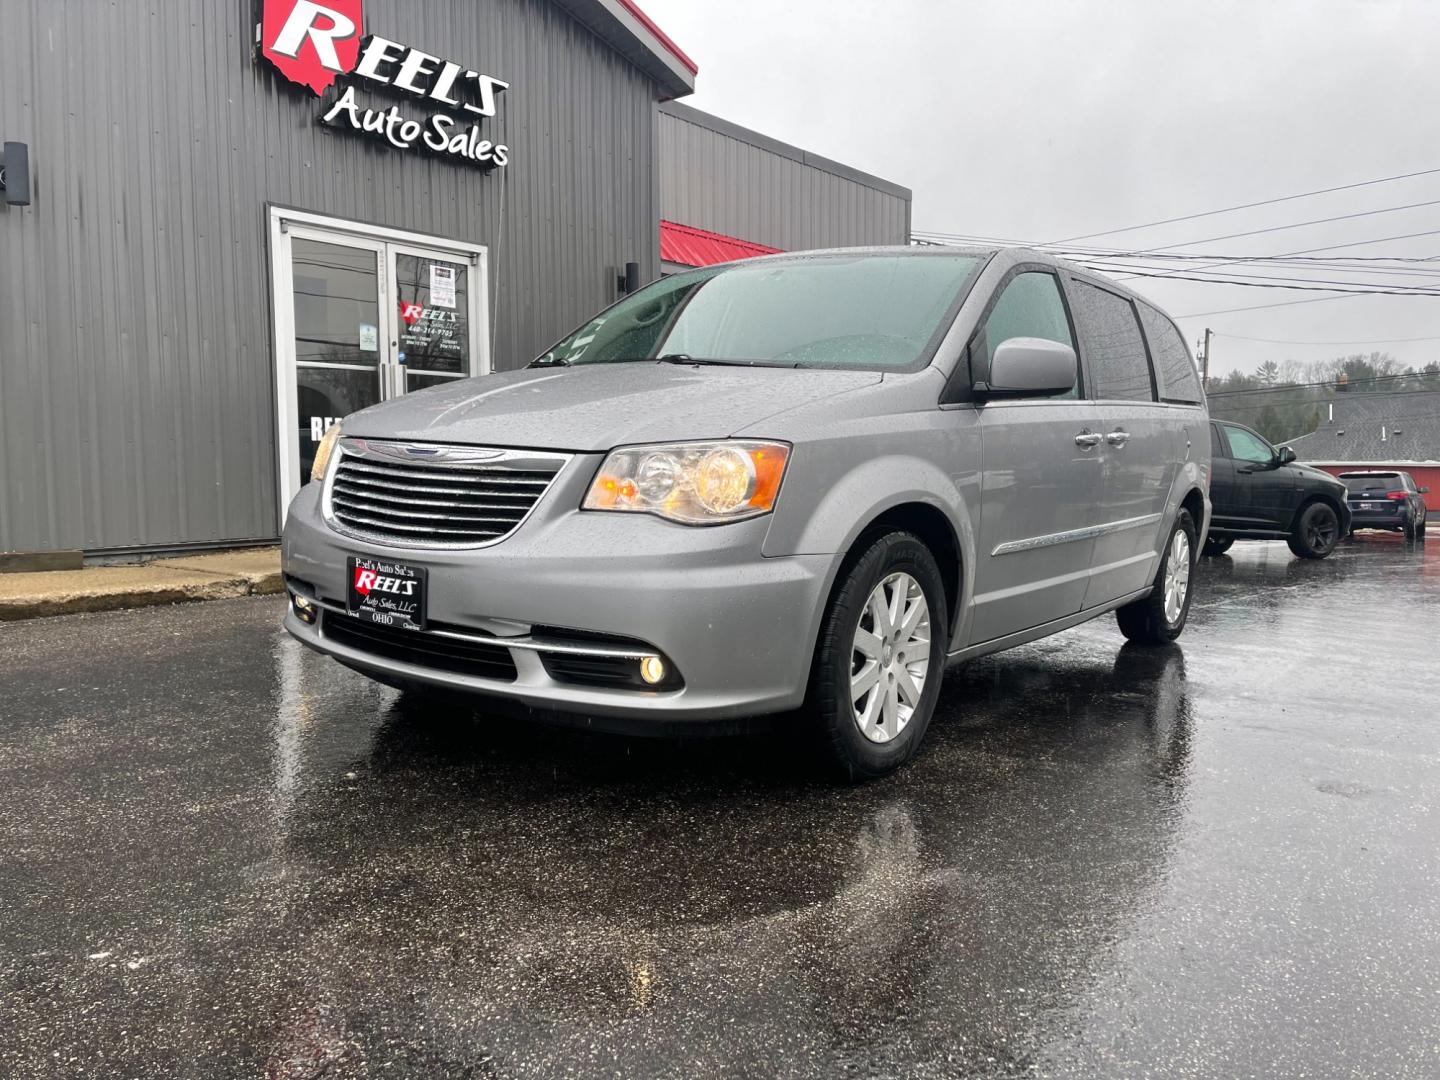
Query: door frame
x=283, y=223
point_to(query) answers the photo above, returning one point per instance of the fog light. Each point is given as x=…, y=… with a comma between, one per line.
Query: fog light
x=304, y=608
x=652, y=670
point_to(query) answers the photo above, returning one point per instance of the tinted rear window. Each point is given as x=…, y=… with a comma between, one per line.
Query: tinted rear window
x=1114, y=348
x=1382, y=482
x=1173, y=366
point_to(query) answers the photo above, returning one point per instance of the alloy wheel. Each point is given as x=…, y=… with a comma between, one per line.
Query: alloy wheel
x=890, y=658
x=1320, y=531
x=1177, y=576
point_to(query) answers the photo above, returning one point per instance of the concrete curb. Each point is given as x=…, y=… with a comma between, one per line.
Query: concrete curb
x=220, y=576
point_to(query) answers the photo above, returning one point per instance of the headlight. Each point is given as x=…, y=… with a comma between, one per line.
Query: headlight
x=702, y=483
x=324, y=451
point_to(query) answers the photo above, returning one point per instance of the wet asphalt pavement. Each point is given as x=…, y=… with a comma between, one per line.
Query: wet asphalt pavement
x=222, y=855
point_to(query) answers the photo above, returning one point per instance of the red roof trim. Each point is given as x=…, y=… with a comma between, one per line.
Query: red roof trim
x=660, y=35
x=689, y=246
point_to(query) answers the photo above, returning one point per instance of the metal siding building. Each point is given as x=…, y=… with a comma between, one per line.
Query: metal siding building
x=142, y=394
x=718, y=176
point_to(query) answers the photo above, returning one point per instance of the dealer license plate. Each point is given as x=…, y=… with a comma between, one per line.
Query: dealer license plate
x=388, y=593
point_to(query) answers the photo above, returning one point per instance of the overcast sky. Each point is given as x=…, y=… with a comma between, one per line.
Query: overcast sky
x=1041, y=121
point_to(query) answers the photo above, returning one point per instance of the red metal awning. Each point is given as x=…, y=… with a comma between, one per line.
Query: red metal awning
x=697, y=247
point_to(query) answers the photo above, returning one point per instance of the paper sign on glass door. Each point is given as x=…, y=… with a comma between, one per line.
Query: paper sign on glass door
x=442, y=285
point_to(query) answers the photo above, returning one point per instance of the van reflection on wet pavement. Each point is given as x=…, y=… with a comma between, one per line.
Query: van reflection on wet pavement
x=222, y=855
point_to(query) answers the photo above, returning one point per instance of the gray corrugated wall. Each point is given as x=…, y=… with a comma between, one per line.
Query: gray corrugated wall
x=713, y=180
x=136, y=368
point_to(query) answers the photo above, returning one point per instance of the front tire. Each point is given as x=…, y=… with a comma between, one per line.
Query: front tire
x=1160, y=617
x=1316, y=532
x=880, y=658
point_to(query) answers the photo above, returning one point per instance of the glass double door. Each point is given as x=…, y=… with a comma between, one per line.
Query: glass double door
x=368, y=320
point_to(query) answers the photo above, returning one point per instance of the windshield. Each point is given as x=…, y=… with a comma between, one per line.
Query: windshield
x=1373, y=482
x=874, y=312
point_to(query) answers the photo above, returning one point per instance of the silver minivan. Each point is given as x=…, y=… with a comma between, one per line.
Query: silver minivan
x=801, y=484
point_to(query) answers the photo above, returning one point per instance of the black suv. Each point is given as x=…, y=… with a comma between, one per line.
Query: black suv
x=1259, y=493
x=1386, y=500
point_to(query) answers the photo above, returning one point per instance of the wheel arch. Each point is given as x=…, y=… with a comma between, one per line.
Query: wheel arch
x=1194, y=501
x=928, y=523
x=932, y=528
x=1309, y=501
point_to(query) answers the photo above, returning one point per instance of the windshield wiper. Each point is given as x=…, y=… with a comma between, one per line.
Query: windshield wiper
x=686, y=358
x=553, y=361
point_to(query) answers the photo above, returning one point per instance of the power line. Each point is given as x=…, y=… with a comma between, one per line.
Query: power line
x=1338, y=260
x=1159, y=262
x=1164, y=254
x=1323, y=383
x=1283, y=228
x=1259, y=307
x=952, y=237
x=1362, y=341
x=1146, y=260
x=1414, y=290
x=1233, y=278
x=1249, y=206
x=1343, y=264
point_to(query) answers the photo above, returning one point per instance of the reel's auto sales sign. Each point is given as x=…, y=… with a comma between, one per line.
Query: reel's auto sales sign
x=313, y=44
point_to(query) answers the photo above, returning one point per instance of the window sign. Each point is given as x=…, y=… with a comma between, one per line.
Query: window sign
x=434, y=327
x=315, y=44
x=442, y=285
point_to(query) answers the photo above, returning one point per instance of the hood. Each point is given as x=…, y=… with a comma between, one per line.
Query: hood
x=595, y=407
x=1314, y=473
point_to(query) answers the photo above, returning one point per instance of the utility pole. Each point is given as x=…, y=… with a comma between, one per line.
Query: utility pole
x=1205, y=363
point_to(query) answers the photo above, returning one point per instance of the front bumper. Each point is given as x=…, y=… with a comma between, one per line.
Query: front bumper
x=738, y=628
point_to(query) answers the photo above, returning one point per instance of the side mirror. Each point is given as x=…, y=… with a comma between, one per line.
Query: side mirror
x=1031, y=366
x=1286, y=455
x=1423, y=490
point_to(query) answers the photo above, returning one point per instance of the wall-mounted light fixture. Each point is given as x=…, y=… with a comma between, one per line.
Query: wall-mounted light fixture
x=629, y=281
x=15, y=173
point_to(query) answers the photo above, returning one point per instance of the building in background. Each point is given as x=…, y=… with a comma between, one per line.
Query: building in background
x=249, y=217
x=1379, y=431
x=727, y=192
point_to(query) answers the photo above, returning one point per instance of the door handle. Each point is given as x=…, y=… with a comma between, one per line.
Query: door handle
x=1087, y=440
x=1118, y=437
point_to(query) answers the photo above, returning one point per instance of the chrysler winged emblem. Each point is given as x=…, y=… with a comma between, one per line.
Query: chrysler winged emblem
x=429, y=451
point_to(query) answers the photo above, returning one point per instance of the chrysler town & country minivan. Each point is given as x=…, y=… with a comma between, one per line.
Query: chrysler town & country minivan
x=802, y=484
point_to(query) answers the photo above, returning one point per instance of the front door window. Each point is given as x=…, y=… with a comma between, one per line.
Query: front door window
x=1247, y=446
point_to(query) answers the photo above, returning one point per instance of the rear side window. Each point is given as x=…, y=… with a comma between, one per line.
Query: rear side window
x=1030, y=306
x=1119, y=368
x=1247, y=446
x=1173, y=366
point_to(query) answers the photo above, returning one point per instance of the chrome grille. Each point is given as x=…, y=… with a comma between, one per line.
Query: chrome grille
x=431, y=495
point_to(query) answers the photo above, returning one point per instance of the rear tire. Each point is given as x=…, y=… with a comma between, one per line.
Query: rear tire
x=1160, y=617
x=864, y=700
x=1217, y=545
x=1316, y=531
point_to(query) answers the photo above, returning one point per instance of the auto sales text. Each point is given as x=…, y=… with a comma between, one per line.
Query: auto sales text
x=440, y=132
